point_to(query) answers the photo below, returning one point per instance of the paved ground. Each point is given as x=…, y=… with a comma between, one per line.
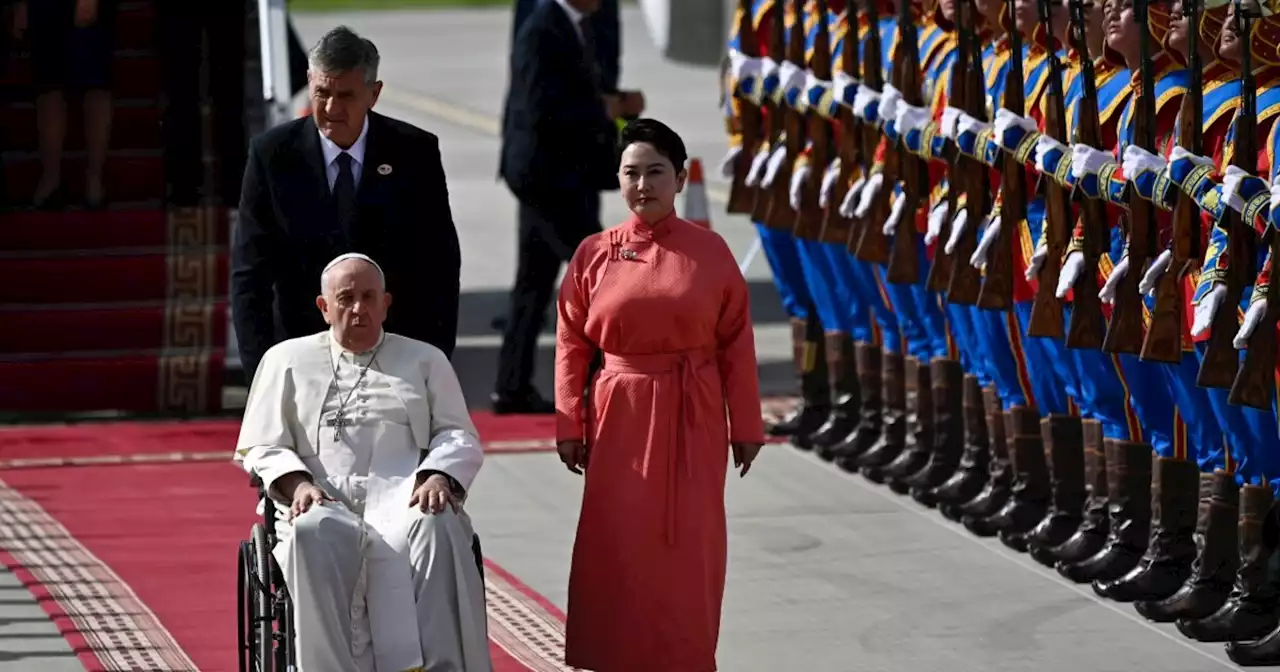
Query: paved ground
x=827, y=573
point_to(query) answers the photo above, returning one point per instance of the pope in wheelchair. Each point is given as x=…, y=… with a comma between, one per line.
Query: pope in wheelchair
x=363, y=443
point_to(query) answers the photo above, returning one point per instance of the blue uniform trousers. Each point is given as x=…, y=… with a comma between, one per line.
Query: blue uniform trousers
x=788, y=275
x=1152, y=402
x=831, y=286
x=1252, y=437
x=972, y=358
x=1199, y=436
x=919, y=314
x=1103, y=391
x=1052, y=377
x=1004, y=359
x=869, y=289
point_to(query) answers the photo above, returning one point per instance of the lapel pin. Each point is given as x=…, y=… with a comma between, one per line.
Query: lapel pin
x=629, y=255
x=384, y=169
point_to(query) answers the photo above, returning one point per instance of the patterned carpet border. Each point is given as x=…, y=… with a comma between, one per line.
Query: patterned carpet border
x=528, y=627
x=99, y=615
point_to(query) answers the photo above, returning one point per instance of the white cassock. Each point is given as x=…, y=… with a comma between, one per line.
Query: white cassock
x=377, y=586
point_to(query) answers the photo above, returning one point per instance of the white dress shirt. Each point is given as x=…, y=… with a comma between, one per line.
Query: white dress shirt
x=331, y=150
x=575, y=17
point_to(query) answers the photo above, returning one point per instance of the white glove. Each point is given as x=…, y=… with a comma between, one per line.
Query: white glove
x=1086, y=160
x=868, y=195
x=776, y=160
x=849, y=207
x=1044, y=145
x=768, y=68
x=863, y=101
x=1006, y=120
x=890, y=98
x=1206, y=309
x=950, y=117
x=937, y=217
x=757, y=167
x=811, y=82
x=742, y=66
x=1178, y=154
x=911, y=118
x=798, y=177
x=1138, y=160
x=1072, y=269
x=829, y=183
x=1154, y=271
x=790, y=76
x=1252, y=318
x=1108, y=292
x=979, y=258
x=727, y=163
x=958, y=224
x=1231, y=187
x=1037, y=261
x=895, y=215
x=967, y=124
x=843, y=86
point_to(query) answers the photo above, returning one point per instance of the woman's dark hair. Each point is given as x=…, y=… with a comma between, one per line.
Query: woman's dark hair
x=657, y=134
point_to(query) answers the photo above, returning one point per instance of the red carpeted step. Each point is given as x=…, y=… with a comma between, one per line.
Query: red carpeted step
x=135, y=123
x=110, y=279
x=113, y=383
x=86, y=230
x=130, y=175
x=135, y=25
x=134, y=74
x=99, y=328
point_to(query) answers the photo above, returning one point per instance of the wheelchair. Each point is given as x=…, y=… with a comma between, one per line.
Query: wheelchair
x=264, y=611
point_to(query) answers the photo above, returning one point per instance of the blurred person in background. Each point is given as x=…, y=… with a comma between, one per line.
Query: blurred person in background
x=558, y=137
x=71, y=52
x=608, y=31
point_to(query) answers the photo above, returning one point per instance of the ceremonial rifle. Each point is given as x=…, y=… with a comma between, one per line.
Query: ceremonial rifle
x=1124, y=333
x=941, y=269
x=741, y=197
x=835, y=227
x=904, y=259
x=867, y=239
x=1164, y=334
x=1256, y=380
x=1087, y=324
x=773, y=112
x=1046, y=309
x=997, y=289
x=809, y=219
x=970, y=175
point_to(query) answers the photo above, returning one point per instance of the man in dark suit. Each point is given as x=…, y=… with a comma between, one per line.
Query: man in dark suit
x=558, y=136
x=608, y=34
x=345, y=179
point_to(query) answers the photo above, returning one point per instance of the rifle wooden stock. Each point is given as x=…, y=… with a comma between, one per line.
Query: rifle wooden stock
x=741, y=197
x=965, y=282
x=904, y=254
x=943, y=266
x=1046, y=309
x=773, y=113
x=1087, y=324
x=780, y=214
x=810, y=218
x=1256, y=383
x=866, y=240
x=1221, y=361
x=836, y=228
x=997, y=288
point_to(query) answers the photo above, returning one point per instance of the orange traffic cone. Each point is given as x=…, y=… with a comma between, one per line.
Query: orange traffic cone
x=696, y=208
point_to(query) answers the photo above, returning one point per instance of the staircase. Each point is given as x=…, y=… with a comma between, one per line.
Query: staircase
x=122, y=309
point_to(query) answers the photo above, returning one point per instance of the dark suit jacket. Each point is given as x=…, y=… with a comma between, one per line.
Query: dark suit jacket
x=557, y=140
x=608, y=37
x=288, y=230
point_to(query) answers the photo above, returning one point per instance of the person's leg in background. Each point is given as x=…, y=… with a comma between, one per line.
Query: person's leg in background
x=91, y=48
x=50, y=32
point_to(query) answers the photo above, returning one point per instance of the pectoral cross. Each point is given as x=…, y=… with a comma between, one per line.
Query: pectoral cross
x=337, y=422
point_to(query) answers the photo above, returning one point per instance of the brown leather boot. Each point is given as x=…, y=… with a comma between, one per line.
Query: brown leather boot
x=893, y=436
x=970, y=479
x=1064, y=444
x=1250, y=612
x=1029, y=494
x=1175, y=489
x=948, y=431
x=1217, y=557
x=1129, y=508
x=1090, y=536
x=846, y=396
x=997, y=491
x=807, y=350
x=868, y=361
x=920, y=431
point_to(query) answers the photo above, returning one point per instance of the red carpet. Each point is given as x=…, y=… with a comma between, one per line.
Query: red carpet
x=117, y=310
x=136, y=564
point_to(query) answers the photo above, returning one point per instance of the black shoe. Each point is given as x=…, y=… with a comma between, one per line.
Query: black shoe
x=528, y=403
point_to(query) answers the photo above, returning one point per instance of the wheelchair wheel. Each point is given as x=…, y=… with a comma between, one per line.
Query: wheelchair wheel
x=262, y=644
x=244, y=602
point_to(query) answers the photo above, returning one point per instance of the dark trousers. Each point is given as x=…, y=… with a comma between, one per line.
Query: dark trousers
x=538, y=265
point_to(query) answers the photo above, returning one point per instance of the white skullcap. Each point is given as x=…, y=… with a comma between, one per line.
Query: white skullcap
x=348, y=257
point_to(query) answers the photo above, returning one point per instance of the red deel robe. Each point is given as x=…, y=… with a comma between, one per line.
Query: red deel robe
x=668, y=307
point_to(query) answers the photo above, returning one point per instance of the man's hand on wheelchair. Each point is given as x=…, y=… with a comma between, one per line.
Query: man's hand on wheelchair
x=434, y=494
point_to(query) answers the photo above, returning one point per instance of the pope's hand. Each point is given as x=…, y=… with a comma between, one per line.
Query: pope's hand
x=434, y=494
x=744, y=454
x=573, y=454
x=306, y=495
